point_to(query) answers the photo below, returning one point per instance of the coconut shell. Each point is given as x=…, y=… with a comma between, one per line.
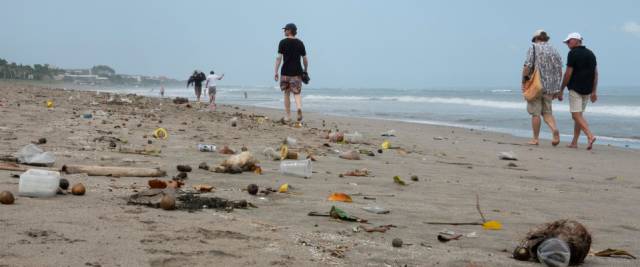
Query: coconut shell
x=78, y=189
x=6, y=198
x=252, y=189
x=168, y=202
x=183, y=168
x=572, y=232
x=64, y=184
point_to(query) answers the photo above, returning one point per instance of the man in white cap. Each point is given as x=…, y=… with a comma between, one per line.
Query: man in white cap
x=546, y=59
x=581, y=77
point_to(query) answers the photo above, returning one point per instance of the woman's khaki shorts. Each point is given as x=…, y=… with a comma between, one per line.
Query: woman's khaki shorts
x=540, y=106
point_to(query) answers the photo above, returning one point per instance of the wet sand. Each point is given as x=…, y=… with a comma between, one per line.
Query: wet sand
x=599, y=188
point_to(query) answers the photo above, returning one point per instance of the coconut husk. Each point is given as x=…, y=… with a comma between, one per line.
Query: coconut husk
x=572, y=232
x=244, y=161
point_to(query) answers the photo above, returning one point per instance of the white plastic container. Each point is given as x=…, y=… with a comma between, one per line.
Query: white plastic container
x=39, y=183
x=300, y=168
x=207, y=148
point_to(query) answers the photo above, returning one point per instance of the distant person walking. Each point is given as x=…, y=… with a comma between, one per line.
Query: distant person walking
x=581, y=77
x=197, y=78
x=161, y=91
x=546, y=59
x=290, y=50
x=211, y=88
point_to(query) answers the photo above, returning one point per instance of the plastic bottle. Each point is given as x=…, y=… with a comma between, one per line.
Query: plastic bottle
x=554, y=252
x=300, y=168
x=207, y=148
x=354, y=138
x=39, y=183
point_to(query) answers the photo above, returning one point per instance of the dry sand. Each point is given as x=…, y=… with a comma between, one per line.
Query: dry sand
x=599, y=188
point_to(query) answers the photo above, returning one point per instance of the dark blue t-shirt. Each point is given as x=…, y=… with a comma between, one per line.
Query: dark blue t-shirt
x=583, y=62
x=292, y=50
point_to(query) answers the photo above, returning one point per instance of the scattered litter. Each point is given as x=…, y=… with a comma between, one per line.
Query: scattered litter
x=252, y=189
x=290, y=141
x=156, y=183
x=33, y=155
x=396, y=243
x=226, y=151
x=78, y=189
x=350, y=155
x=342, y=197
x=160, y=133
x=573, y=233
x=507, y=156
x=113, y=171
x=492, y=225
x=376, y=209
x=271, y=154
x=203, y=166
x=379, y=229
x=6, y=198
x=617, y=253
x=284, y=188
x=338, y=214
x=358, y=172
x=206, y=148
x=439, y=138
x=354, y=138
x=234, y=121
x=185, y=200
x=389, y=133
x=244, y=161
x=184, y=168
x=203, y=188
x=300, y=168
x=38, y=183
x=398, y=180
x=414, y=178
x=385, y=145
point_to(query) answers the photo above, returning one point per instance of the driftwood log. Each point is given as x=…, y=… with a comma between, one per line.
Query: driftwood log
x=11, y=167
x=113, y=171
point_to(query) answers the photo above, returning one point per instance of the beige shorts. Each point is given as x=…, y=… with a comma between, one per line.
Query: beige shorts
x=540, y=106
x=577, y=102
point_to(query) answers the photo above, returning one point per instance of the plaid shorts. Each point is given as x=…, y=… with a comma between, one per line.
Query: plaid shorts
x=291, y=84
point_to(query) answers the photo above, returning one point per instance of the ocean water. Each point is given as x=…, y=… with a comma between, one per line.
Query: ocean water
x=615, y=118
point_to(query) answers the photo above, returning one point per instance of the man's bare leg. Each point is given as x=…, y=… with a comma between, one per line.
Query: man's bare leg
x=298, y=99
x=576, y=135
x=535, y=125
x=551, y=122
x=212, y=102
x=287, y=105
x=584, y=126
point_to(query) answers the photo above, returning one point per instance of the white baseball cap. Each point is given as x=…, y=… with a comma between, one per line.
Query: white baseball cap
x=573, y=35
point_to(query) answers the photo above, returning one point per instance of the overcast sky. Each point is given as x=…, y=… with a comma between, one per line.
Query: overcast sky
x=356, y=44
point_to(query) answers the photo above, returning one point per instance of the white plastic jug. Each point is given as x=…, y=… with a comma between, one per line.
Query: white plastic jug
x=39, y=183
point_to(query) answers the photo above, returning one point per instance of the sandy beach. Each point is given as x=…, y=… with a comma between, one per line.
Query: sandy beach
x=598, y=188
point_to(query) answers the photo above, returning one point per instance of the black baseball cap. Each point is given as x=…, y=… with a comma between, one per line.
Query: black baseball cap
x=290, y=26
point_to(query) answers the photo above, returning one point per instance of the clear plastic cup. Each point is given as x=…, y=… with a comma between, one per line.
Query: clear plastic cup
x=554, y=252
x=39, y=183
x=353, y=138
x=207, y=148
x=300, y=168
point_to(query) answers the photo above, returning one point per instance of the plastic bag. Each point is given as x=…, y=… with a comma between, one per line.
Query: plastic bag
x=33, y=155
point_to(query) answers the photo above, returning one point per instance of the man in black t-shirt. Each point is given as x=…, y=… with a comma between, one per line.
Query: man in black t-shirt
x=581, y=77
x=290, y=50
x=197, y=78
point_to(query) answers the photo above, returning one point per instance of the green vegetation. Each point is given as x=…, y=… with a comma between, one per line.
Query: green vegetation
x=27, y=72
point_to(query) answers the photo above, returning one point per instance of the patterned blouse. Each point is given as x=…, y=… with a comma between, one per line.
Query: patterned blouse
x=549, y=62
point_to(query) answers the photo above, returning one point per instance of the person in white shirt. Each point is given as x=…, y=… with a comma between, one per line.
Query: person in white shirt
x=211, y=87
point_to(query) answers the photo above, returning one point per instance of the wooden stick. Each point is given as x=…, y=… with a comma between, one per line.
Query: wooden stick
x=455, y=163
x=113, y=171
x=478, y=208
x=11, y=167
x=453, y=223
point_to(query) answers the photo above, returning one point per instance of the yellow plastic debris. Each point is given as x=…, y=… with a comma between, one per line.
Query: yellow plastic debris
x=385, y=144
x=398, y=180
x=283, y=188
x=492, y=225
x=284, y=151
x=161, y=133
x=49, y=103
x=340, y=197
